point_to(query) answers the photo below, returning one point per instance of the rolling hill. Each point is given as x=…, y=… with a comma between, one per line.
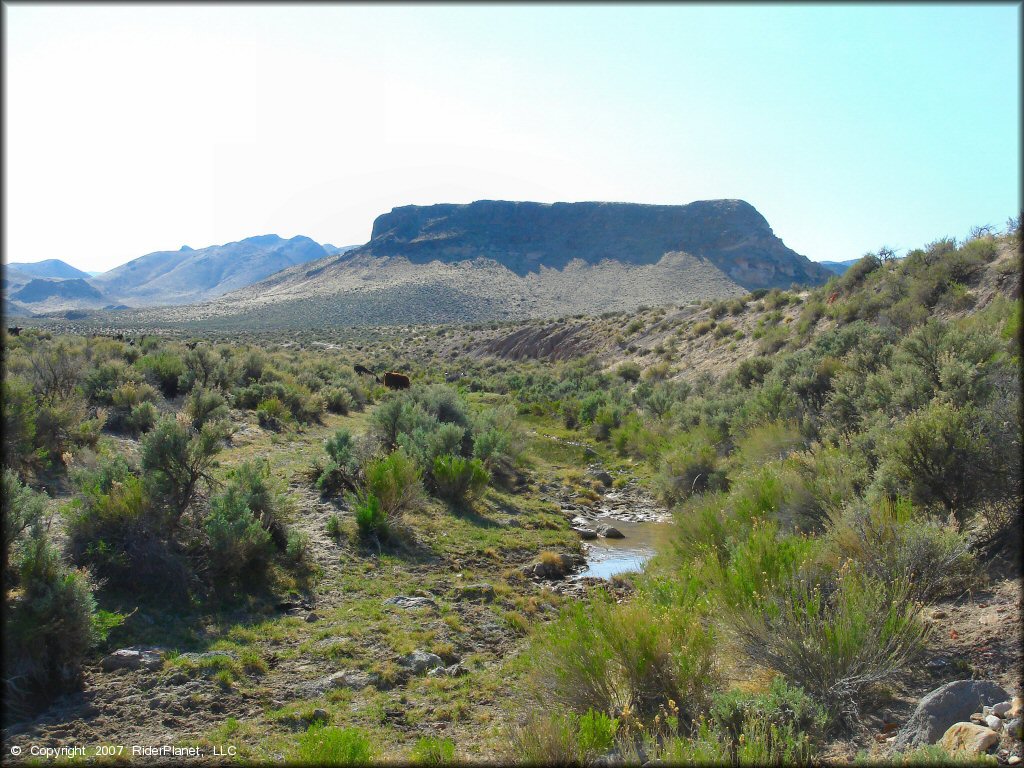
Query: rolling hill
x=193, y=275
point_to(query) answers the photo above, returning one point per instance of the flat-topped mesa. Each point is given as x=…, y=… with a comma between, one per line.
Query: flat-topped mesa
x=525, y=236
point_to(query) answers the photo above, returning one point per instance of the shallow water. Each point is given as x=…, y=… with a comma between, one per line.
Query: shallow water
x=609, y=557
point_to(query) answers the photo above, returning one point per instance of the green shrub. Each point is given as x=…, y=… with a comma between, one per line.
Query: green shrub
x=298, y=550
x=162, y=369
x=176, y=463
x=606, y=657
x=239, y=546
x=22, y=509
x=115, y=529
x=430, y=750
x=397, y=483
x=19, y=422
x=371, y=518
x=834, y=633
x=458, y=480
x=755, y=565
x=783, y=708
x=341, y=471
x=939, y=454
x=327, y=745
x=629, y=371
x=49, y=626
x=891, y=541
x=125, y=400
x=688, y=466
x=544, y=739
x=272, y=414
x=596, y=733
x=99, y=384
x=339, y=400
x=205, y=405
x=264, y=498
x=143, y=417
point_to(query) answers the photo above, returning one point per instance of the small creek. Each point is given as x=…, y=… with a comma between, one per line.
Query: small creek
x=609, y=557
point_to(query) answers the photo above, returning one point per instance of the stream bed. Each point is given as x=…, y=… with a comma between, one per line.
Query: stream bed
x=609, y=557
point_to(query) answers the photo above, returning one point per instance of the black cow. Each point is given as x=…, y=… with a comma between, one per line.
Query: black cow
x=14, y=330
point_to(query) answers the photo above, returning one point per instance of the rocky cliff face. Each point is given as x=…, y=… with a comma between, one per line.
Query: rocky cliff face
x=526, y=236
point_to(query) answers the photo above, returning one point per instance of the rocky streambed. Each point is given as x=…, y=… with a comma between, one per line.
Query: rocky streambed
x=621, y=530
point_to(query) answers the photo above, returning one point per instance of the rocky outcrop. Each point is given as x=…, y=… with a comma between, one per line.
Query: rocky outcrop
x=525, y=237
x=952, y=703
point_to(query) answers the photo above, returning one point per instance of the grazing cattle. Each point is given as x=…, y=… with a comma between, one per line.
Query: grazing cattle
x=394, y=380
x=833, y=297
x=364, y=369
x=119, y=336
x=14, y=330
x=191, y=344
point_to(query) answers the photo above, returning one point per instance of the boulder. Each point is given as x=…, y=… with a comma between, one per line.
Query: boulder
x=556, y=569
x=1015, y=728
x=133, y=658
x=945, y=706
x=407, y=601
x=601, y=476
x=968, y=739
x=587, y=534
x=205, y=655
x=349, y=678
x=610, y=532
x=419, y=662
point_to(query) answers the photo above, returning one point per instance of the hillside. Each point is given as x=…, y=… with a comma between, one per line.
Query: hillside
x=43, y=294
x=49, y=268
x=188, y=275
x=838, y=266
x=526, y=236
x=494, y=260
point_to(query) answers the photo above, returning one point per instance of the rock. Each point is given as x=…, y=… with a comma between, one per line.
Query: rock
x=587, y=534
x=1016, y=707
x=456, y=670
x=937, y=711
x=601, y=476
x=133, y=658
x=610, y=532
x=554, y=569
x=1013, y=760
x=311, y=617
x=1002, y=708
x=968, y=739
x=320, y=715
x=197, y=657
x=994, y=723
x=419, y=662
x=939, y=614
x=349, y=678
x=480, y=591
x=1015, y=728
x=407, y=601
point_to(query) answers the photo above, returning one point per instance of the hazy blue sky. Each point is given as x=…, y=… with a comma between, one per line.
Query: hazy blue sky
x=140, y=128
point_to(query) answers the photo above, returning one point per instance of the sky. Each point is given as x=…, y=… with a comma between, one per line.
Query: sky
x=136, y=128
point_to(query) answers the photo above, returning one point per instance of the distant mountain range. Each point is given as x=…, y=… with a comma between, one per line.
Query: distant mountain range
x=474, y=262
x=839, y=267
x=49, y=268
x=161, y=278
